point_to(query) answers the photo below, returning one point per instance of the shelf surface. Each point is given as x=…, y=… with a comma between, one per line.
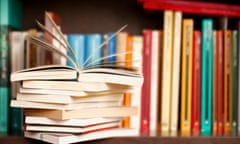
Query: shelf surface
x=137, y=140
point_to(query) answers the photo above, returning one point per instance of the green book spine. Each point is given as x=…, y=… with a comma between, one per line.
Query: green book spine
x=16, y=120
x=11, y=13
x=234, y=82
x=4, y=78
x=4, y=105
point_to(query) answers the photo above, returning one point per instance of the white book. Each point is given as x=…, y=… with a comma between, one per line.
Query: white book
x=136, y=95
x=176, y=71
x=38, y=120
x=155, y=79
x=67, y=99
x=74, y=106
x=71, y=129
x=58, y=138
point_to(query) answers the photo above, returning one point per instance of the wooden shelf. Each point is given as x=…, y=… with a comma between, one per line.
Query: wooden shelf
x=136, y=140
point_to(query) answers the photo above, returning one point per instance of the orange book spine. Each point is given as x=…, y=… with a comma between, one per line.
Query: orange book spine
x=227, y=82
x=128, y=63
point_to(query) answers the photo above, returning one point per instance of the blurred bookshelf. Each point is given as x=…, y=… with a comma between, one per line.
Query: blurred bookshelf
x=102, y=16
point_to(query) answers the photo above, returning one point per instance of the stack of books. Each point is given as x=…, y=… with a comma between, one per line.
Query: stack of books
x=67, y=104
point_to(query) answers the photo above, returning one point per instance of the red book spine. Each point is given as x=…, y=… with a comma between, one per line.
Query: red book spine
x=196, y=83
x=146, y=93
x=220, y=88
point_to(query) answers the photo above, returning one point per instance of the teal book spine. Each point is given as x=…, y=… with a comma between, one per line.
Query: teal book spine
x=16, y=120
x=11, y=13
x=93, y=55
x=77, y=43
x=4, y=78
x=234, y=82
x=206, y=93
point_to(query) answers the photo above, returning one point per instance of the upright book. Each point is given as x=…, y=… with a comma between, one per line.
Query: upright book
x=206, y=99
x=186, y=83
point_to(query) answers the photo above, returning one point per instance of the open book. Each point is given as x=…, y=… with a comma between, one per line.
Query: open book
x=105, y=72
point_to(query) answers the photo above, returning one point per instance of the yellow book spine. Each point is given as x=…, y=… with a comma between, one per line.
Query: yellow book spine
x=167, y=70
x=186, y=83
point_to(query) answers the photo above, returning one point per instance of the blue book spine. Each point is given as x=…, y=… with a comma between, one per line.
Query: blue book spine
x=77, y=43
x=206, y=99
x=111, y=48
x=93, y=52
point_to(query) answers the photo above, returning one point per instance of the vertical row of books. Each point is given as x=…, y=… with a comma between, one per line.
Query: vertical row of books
x=198, y=77
x=10, y=18
x=87, y=97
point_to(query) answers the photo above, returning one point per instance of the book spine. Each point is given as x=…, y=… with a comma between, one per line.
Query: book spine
x=154, y=79
x=77, y=43
x=93, y=52
x=128, y=63
x=111, y=48
x=4, y=77
x=234, y=82
x=166, y=71
x=137, y=62
x=196, y=83
x=220, y=84
x=206, y=112
x=186, y=89
x=121, y=47
x=227, y=81
x=176, y=71
x=146, y=87
x=214, y=89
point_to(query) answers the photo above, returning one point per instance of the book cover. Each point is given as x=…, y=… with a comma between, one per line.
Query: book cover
x=206, y=93
x=227, y=82
x=166, y=71
x=186, y=82
x=177, y=33
x=234, y=81
x=196, y=83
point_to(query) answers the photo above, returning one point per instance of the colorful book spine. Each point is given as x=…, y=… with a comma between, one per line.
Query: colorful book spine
x=196, y=84
x=155, y=95
x=121, y=44
x=206, y=99
x=166, y=71
x=214, y=87
x=4, y=78
x=111, y=48
x=175, y=72
x=128, y=63
x=77, y=43
x=219, y=82
x=93, y=55
x=234, y=81
x=11, y=13
x=227, y=82
x=146, y=87
x=186, y=82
